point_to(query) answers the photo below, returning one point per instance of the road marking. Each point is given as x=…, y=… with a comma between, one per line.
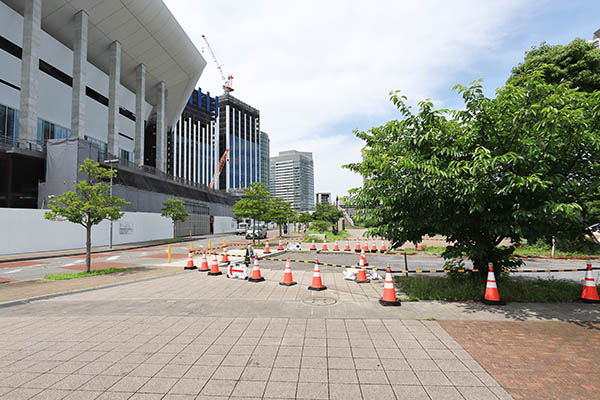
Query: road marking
x=112, y=258
x=13, y=271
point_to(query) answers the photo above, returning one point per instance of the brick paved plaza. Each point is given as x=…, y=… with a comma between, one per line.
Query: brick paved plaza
x=191, y=336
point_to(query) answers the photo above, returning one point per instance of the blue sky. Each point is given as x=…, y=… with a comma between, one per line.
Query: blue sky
x=319, y=69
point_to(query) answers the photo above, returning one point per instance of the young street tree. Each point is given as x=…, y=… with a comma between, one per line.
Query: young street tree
x=89, y=204
x=329, y=213
x=174, y=209
x=254, y=204
x=527, y=160
x=280, y=212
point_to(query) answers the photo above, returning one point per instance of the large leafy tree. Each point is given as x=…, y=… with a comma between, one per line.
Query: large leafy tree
x=280, y=212
x=577, y=62
x=174, y=209
x=89, y=204
x=526, y=160
x=254, y=204
x=329, y=213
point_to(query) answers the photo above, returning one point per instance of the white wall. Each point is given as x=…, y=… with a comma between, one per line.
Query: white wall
x=26, y=230
x=225, y=225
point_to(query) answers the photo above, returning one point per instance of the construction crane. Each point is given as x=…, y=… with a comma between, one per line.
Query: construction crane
x=219, y=169
x=227, y=82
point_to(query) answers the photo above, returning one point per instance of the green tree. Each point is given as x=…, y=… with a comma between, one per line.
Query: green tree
x=527, y=159
x=89, y=204
x=327, y=212
x=577, y=62
x=320, y=225
x=254, y=204
x=305, y=218
x=174, y=209
x=280, y=212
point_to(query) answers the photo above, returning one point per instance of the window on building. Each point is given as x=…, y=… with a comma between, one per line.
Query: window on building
x=9, y=125
x=126, y=155
x=48, y=130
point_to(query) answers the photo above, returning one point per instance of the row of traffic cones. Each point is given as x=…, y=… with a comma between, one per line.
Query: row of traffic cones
x=357, y=249
x=492, y=296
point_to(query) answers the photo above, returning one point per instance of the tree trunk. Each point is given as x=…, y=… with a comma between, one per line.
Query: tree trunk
x=88, y=248
x=279, y=230
x=253, y=231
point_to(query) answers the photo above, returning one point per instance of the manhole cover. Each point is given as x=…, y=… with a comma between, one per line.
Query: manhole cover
x=319, y=301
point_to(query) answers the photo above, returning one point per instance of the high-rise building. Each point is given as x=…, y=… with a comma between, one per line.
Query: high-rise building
x=264, y=159
x=292, y=179
x=193, y=142
x=323, y=197
x=239, y=131
x=596, y=40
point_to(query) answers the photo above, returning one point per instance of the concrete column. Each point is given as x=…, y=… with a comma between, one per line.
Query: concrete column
x=114, y=81
x=140, y=97
x=79, y=75
x=161, y=128
x=30, y=66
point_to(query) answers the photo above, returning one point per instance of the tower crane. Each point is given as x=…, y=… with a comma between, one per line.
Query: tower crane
x=227, y=82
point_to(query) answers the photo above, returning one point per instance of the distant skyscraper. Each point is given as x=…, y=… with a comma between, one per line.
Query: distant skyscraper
x=596, y=39
x=264, y=159
x=292, y=179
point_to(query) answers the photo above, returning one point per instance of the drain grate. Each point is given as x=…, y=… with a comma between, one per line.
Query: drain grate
x=319, y=301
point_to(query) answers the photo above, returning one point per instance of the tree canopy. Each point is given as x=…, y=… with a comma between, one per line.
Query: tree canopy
x=174, y=209
x=90, y=203
x=526, y=160
x=577, y=62
x=254, y=204
x=280, y=212
x=329, y=213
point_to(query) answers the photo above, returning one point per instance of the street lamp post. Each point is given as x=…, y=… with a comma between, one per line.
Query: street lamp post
x=111, y=162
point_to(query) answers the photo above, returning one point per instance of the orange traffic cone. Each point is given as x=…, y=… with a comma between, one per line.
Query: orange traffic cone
x=419, y=247
x=256, y=276
x=357, y=247
x=347, y=247
x=214, y=267
x=204, y=264
x=366, y=246
x=590, y=292
x=225, y=258
x=389, y=293
x=336, y=247
x=363, y=258
x=190, y=261
x=324, y=246
x=287, y=275
x=382, y=249
x=317, y=283
x=267, y=249
x=492, y=297
x=362, y=273
x=374, y=247
x=313, y=246
x=280, y=247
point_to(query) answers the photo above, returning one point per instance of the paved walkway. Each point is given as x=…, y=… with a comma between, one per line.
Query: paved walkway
x=191, y=336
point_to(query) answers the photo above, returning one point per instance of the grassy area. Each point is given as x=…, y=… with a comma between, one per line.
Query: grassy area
x=75, y=275
x=330, y=237
x=177, y=240
x=468, y=288
x=537, y=250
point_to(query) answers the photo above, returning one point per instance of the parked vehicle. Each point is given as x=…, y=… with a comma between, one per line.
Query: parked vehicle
x=256, y=232
x=242, y=228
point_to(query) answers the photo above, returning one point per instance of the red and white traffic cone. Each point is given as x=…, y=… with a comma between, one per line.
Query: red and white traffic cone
x=225, y=258
x=357, y=247
x=492, y=296
x=280, y=247
x=389, y=292
x=190, y=261
x=366, y=246
x=363, y=258
x=336, y=247
x=419, y=247
x=374, y=247
x=590, y=291
x=287, y=275
x=214, y=267
x=317, y=283
x=204, y=263
x=256, y=276
x=313, y=246
x=347, y=246
x=324, y=246
x=361, y=277
x=267, y=249
x=382, y=249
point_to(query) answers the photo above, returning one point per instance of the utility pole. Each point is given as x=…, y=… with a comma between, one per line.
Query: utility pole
x=111, y=162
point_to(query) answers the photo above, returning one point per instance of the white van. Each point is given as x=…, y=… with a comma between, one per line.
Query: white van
x=241, y=229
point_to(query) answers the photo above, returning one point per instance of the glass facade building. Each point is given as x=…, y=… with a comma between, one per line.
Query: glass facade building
x=292, y=179
x=264, y=159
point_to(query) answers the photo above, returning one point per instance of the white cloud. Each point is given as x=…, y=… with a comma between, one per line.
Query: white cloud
x=311, y=65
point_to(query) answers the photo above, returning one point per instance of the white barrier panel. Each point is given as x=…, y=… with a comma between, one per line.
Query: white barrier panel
x=26, y=230
x=225, y=225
